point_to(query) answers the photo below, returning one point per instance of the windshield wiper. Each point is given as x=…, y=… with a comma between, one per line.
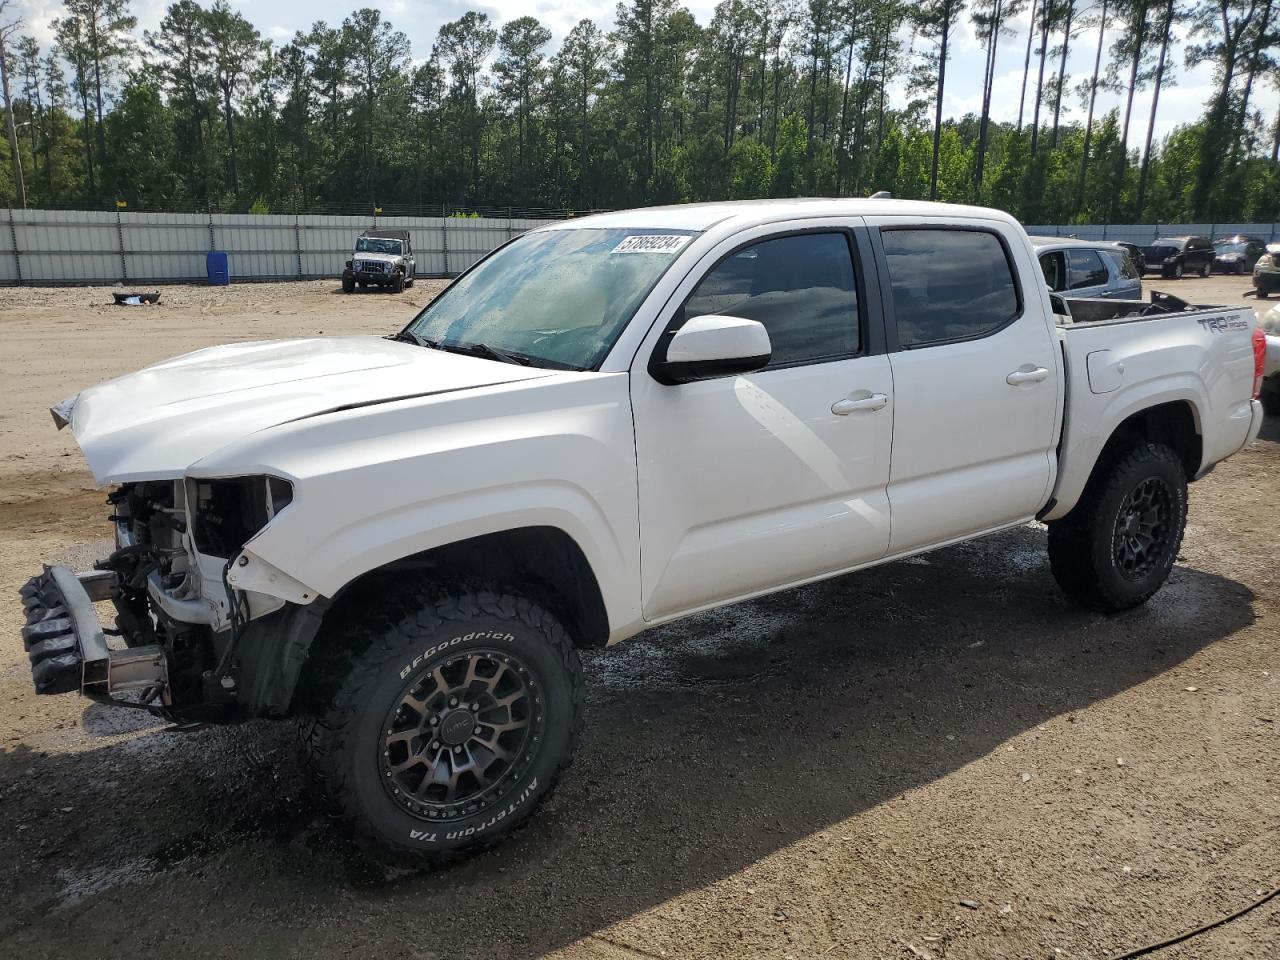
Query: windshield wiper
x=408, y=336
x=484, y=350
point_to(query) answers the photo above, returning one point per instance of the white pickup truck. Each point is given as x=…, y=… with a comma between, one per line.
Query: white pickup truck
x=606, y=424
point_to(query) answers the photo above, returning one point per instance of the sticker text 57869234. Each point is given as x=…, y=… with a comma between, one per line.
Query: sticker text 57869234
x=651, y=243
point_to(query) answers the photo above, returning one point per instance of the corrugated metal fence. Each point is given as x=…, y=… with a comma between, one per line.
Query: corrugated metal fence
x=90, y=247
x=1144, y=233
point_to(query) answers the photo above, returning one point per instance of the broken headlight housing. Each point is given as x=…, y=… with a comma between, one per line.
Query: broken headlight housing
x=227, y=513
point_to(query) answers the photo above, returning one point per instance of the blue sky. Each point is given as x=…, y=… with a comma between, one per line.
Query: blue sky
x=421, y=19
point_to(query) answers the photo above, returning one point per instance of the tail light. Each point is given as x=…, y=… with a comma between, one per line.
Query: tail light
x=1259, y=360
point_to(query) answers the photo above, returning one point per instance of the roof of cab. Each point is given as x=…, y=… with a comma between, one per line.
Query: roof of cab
x=702, y=216
x=1041, y=243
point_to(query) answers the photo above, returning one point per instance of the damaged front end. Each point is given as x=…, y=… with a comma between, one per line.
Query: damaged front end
x=187, y=642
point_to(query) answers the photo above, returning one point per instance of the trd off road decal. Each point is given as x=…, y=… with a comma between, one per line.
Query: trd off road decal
x=651, y=243
x=431, y=836
x=453, y=642
x=1219, y=324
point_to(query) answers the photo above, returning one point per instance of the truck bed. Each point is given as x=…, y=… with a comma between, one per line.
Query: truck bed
x=1126, y=356
x=1096, y=310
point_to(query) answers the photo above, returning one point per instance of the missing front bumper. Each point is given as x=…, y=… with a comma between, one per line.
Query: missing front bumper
x=67, y=645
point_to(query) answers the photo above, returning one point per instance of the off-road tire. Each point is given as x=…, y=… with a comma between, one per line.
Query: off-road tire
x=348, y=285
x=1270, y=398
x=409, y=282
x=1083, y=545
x=343, y=737
x=398, y=284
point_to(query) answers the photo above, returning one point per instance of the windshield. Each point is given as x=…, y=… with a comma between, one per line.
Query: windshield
x=1230, y=246
x=554, y=298
x=377, y=245
x=1167, y=244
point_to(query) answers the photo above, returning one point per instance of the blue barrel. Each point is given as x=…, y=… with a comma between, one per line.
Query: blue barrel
x=219, y=268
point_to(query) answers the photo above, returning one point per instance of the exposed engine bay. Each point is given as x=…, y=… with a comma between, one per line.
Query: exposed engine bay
x=177, y=617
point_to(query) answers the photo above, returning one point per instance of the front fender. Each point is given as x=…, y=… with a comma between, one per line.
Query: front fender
x=376, y=484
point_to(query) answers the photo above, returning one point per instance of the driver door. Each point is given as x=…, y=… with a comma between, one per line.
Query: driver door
x=752, y=482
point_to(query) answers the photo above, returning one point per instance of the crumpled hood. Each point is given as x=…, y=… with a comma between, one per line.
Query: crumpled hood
x=156, y=423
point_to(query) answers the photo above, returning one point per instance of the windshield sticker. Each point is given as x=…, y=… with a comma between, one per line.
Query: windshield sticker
x=652, y=243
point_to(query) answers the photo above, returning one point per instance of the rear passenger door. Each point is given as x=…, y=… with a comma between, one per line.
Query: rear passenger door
x=1086, y=273
x=976, y=378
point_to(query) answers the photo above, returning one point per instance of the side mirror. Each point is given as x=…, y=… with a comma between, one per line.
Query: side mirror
x=713, y=346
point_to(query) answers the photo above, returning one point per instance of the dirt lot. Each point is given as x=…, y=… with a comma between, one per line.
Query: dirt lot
x=824, y=773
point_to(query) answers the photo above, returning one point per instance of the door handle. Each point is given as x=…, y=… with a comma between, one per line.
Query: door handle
x=1026, y=376
x=842, y=408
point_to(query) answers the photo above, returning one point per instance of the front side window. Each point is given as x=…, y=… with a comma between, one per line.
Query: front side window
x=948, y=284
x=1053, y=270
x=800, y=287
x=1086, y=269
x=556, y=298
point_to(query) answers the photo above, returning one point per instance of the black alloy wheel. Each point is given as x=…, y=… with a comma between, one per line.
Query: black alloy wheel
x=461, y=735
x=1143, y=532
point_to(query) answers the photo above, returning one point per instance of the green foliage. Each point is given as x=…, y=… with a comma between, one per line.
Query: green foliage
x=767, y=99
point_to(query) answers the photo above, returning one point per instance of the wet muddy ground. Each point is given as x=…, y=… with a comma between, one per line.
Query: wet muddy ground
x=826, y=772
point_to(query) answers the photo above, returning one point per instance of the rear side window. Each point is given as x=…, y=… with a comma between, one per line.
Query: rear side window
x=800, y=287
x=1086, y=269
x=1123, y=263
x=949, y=284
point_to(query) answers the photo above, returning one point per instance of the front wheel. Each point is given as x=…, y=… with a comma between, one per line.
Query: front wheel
x=398, y=283
x=1116, y=547
x=1206, y=270
x=1177, y=272
x=451, y=728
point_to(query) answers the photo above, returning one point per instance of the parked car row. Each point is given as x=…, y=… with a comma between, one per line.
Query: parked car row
x=1090, y=269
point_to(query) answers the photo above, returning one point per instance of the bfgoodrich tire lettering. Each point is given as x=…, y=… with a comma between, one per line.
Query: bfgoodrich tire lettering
x=1116, y=547
x=362, y=742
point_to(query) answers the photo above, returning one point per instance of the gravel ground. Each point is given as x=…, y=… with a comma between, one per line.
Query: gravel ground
x=826, y=772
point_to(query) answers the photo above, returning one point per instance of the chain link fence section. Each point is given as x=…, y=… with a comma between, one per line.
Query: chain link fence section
x=96, y=247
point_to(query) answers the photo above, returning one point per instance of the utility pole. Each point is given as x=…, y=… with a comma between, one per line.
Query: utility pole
x=5, y=33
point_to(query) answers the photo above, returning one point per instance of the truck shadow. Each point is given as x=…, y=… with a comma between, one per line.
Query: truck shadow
x=710, y=744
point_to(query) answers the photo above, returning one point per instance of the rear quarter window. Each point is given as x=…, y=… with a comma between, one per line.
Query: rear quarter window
x=949, y=284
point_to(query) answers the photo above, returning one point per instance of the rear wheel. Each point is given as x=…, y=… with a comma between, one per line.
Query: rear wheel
x=1116, y=547
x=452, y=727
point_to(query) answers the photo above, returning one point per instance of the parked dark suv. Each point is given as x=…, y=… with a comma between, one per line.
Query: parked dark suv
x=1237, y=254
x=1175, y=256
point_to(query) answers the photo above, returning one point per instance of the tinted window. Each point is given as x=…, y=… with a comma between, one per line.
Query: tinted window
x=948, y=284
x=800, y=287
x=1054, y=273
x=1123, y=263
x=1086, y=269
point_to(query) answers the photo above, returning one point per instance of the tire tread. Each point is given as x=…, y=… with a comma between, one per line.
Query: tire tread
x=327, y=733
